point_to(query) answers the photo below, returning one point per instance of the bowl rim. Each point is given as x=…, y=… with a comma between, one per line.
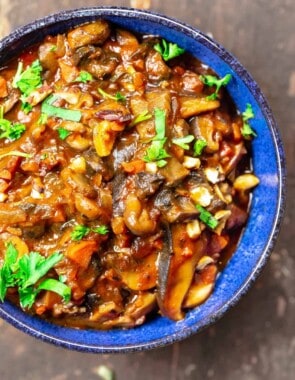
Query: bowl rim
x=232, y=61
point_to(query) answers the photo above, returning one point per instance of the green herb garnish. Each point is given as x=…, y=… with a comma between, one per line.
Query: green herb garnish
x=42, y=119
x=168, y=50
x=25, y=272
x=30, y=79
x=118, y=97
x=11, y=131
x=80, y=231
x=63, y=113
x=183, y=141
x=211, y=80
x=16, y=153
x=53, y=48
x=101, y=230
x=206, y=217
x=199, y=146
x=26, y=107
x=156, y=151
x=248, y=114
x=84, y=77
x=63, y=133
x=141, y=117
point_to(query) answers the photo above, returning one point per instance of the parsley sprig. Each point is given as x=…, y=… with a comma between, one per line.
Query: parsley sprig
x=168, y=50
x=141, y=117
x=118, y=97
x=207, y=218
x=25, y=273
x=248, y=114
x=63, y=133
x=80, y=231
x=183, y=141
x=28, y=80
x=199, y=146
x=49, y=109
x=156, y=151
x=211, y=80
x=84, y=77
x=11, y=131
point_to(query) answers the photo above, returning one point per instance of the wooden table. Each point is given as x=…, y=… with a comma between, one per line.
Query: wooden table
x=255, y=340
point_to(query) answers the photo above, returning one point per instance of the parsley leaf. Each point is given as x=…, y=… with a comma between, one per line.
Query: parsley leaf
x=28, y=80
x=79, y=232
x=25, y=272
x=211, y=80
x=118, y=97
x=101, y=230
x=84, y=77
x=141, y=117
x=183, y=141
x=156, y=151
x=26, y=107
x=248, y=114
x=42, y=119
x=6, y=275
x=63, y=133
x=11, y=131
x=206, y=217
x=168, y=50
x=63, y=113
x=34, y=266
x=199, y=146
x=57, y=287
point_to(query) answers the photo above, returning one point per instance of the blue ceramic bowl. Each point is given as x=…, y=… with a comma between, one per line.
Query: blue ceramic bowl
x=267, y=203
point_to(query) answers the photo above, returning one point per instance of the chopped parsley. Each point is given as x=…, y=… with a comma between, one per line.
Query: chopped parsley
x=42, y=119
x=63, y=133
x=118, y=97
x=168, y=50
x=63, y=113
x=248, y=114
x=30, y=79
x=156, y=151
x=25, y=272
x=141, y=117
x=16, y=153
x=183, y=141
x=84, y=77
x=53, y=48
x=80, y=231
x=211, y=80
x=101, y=230
x=11, y=131
x=199, y=146
x=26, y=107
x=207, y=218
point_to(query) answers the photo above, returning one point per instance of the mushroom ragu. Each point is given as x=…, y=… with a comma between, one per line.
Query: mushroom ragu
x=124, y=178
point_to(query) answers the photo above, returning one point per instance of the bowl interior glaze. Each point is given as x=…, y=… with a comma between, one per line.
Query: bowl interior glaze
x=267, y=202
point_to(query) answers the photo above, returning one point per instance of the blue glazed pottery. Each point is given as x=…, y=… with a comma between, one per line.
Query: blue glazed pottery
x=266, y=207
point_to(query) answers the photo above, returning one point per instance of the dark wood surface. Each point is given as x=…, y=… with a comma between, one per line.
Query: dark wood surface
x=256, y=339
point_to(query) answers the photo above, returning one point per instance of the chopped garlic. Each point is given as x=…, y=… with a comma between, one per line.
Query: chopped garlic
x=201, y=195
x=193, y=229
x=78, y=164
x=213, y=175
x=151, y=167
x=204, y=261
x=191, y=162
